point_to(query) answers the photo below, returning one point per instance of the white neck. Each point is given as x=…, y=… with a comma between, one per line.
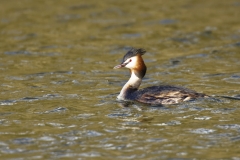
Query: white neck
x=132, y=84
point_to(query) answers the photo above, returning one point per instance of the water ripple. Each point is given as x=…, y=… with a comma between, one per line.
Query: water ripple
x=202, y=131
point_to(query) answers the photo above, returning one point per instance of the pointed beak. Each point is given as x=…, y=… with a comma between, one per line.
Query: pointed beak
x=119, y=66
x=122, y=64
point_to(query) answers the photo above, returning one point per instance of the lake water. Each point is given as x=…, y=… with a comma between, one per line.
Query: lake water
x=58, y=87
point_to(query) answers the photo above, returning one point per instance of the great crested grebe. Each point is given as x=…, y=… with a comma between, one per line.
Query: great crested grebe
x=163, y=94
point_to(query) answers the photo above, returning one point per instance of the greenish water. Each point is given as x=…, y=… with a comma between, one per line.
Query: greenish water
x=58, y=88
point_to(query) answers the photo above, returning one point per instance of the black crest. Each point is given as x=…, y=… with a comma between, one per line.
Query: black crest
x=133, y=52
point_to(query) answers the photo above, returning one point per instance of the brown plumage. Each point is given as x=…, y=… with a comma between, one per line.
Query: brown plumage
x=163, y=94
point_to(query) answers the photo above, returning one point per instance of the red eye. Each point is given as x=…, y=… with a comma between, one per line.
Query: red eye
x=130, y=60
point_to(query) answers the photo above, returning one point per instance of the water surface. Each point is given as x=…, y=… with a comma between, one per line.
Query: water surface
x=58, y=88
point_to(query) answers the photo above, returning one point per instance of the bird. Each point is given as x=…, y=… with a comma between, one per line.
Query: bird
x=154, y=95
